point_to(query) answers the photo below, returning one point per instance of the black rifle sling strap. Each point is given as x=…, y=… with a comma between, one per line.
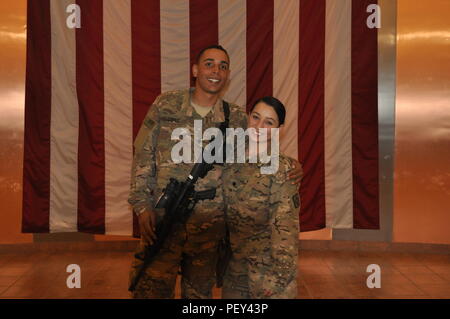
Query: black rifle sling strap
x=224, y=125
x=224, y=249
x=226, y=112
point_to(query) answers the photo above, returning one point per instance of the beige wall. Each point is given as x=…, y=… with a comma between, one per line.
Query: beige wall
x=12, y=95
x=422, y=174
x=422, y=148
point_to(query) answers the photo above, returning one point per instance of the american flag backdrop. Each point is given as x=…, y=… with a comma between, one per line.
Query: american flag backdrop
x=89, y=88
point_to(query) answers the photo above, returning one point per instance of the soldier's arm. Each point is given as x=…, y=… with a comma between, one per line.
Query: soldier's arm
x=143, y=174
x=280, y=277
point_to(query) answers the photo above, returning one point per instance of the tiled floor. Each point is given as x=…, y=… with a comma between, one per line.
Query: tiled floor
x=323, y=274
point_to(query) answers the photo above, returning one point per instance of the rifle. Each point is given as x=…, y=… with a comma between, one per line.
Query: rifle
x=178, y=200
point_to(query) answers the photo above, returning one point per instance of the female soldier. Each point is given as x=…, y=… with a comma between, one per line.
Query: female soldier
x=262, y=215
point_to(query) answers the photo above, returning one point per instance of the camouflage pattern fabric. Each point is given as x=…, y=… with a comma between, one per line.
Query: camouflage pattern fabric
x=193, y=248
x=196, y=260
x=262, y=216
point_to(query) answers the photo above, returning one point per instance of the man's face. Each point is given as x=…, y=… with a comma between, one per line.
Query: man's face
x=211, y=71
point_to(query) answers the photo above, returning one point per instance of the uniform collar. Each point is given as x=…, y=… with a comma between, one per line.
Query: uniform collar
x=216, y=113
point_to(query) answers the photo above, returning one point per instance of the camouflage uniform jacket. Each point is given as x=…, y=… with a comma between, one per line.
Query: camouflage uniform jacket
x=262, y=215
x=153, y=165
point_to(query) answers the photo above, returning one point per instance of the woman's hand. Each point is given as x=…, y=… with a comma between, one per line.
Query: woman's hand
x=296, y=173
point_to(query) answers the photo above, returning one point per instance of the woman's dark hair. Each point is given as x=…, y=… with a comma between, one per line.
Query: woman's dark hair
x=275, y=104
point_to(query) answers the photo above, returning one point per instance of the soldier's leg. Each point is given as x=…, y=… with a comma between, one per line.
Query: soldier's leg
x=159, y=278
x=235, y=282
x=235, y=290
x=204, y=229
x=198, y=269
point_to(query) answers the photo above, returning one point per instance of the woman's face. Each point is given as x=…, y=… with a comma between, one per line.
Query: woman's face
x=262, y=116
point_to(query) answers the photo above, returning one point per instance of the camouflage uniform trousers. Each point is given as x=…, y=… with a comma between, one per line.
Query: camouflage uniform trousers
x=243, y=282
x=236, y=280
x=189, y=248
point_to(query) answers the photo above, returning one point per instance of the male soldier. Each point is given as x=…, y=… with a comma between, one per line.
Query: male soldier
x=192, y=246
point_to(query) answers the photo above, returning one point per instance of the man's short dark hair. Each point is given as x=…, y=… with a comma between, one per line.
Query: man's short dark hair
x=215, y=46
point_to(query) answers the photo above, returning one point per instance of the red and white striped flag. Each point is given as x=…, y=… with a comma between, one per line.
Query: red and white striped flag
x=89, y=88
